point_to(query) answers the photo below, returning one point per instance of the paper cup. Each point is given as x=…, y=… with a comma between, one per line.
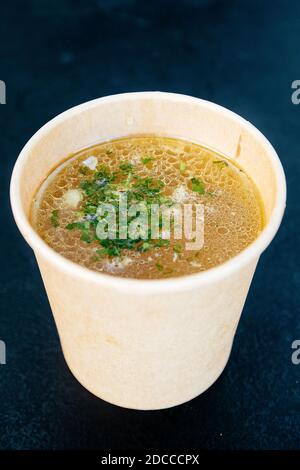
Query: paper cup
x=147, y=344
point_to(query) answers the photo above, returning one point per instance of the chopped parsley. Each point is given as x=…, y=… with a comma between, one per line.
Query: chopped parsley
x=55, y=218
x=197, y=186
x=84, y=170
x=85, y=236
x=126, y=167
x=177, y=248
x=222, y=163
x=146, y=160
x=104, y=186
x=182, y=167
x=145, y=246
x=161, y=242
x=147, y=187
x=159, y=266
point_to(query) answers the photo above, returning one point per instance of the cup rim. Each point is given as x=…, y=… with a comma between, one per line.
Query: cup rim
x=149, y=286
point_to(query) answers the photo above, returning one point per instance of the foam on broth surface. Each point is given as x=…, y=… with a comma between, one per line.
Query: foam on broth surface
x=233, y=211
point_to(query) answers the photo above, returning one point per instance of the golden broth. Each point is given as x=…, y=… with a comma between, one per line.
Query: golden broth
x=160, y=169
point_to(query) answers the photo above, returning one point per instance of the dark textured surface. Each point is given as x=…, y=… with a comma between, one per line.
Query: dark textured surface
x=241, y=54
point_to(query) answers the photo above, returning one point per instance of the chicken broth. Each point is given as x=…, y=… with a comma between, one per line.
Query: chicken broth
x=153, y=171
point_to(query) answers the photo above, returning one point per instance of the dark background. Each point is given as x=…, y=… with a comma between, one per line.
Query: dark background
x=240, y=54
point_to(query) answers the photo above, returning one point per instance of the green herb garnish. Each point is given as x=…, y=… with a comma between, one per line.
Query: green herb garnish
x=145, y=246
x=86, y=228
x=159, y=266
x=161, y=242
x=54, y=218
x=147, y=187
x=71, y=226
x=89, y=187
x=101, y=252
x=83, y=170
x=126, y=167
x=222, y=163
x=177, y=248
x=146, y=160
x=104, y=186
x=182, y=167
x=86, y=237
x=197, y=186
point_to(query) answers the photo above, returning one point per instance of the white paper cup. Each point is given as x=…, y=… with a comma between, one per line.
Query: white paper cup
x=147, y=344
